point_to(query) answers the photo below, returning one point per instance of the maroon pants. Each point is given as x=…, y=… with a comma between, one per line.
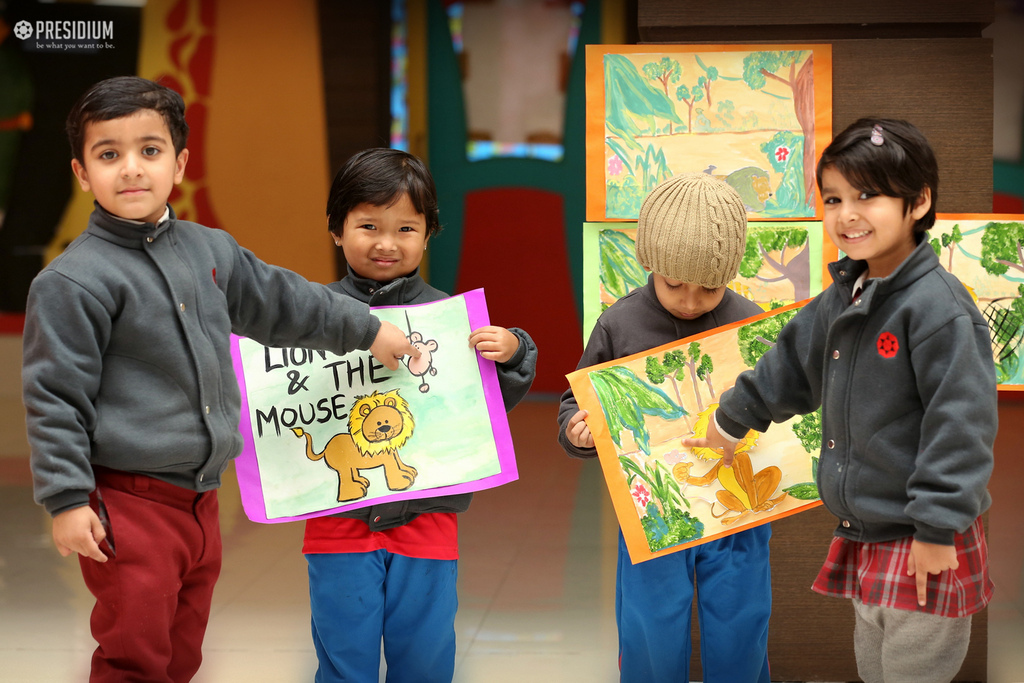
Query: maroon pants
x=153, y=593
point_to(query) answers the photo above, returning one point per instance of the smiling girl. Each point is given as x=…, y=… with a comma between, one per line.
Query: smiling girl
x=898, y=357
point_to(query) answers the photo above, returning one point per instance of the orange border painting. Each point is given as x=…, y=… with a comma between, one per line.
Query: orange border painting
x=756, y=116
x=668, y=497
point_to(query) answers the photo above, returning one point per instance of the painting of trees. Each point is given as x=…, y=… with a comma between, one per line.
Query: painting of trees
x=676, y=110
x=1001, y=247
x=756, y=338
x=782, y=263
x=629, y=98
x=1002, y=255
x=629, y=95
x=619, y=270
x=668, y=367
x=667, y=496
x=697, y=363
x=792, y=263
x=709, y=77
x=808, y=430
x=626, y=399
x=664, y=72
x=689, y=95
x=700, y=366
x=948, y=241
x=760, y=68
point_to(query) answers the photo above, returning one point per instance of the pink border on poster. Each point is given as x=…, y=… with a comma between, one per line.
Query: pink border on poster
x=247, y=466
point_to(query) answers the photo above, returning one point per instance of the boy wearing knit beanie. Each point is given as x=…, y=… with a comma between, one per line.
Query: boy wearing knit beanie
x=691, y=237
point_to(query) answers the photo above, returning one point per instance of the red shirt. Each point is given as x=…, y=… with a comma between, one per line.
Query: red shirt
x=876, y=573
x=431, y=536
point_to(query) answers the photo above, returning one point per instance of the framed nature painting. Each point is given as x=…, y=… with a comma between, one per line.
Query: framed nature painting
x=756, y=116
x=668, y=497
x=325, y=433
x=986, y=253
x=784, y=262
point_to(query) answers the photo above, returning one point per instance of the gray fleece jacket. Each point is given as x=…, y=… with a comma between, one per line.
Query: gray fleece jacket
x=514, y=379
x=906, y=382
x=127, y=358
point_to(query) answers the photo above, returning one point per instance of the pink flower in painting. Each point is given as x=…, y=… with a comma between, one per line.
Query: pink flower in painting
x=641, y=495
x=781, y=153
x=614, y=166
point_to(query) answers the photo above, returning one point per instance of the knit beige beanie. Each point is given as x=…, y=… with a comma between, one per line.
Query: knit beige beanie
x=693, y=228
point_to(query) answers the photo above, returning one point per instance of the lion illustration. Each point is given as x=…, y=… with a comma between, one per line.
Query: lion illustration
x=379, y=425
x=744, y=491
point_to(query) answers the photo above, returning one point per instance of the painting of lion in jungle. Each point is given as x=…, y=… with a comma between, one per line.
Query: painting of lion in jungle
x=379, y=425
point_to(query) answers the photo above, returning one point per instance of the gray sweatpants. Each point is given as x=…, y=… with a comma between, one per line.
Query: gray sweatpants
x=900, y=646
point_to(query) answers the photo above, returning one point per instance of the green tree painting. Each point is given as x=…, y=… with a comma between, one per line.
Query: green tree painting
x=745, y=117
x=696, y=363
x=1002, y=247
x=666, y=495
x=793, y=70
x=1002, y=253
x=626, y=400
x=756, y=338
x=947, y=241
x=808, y=430
x=700, y=366
x=689, y=95
x=668, y=367
x=620, y=271
x=664, y=72
x=793, y=262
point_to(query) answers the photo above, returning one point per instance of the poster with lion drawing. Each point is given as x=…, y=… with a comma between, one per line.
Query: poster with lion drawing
x=668, y=497
x=326, y=433
x=756, y=116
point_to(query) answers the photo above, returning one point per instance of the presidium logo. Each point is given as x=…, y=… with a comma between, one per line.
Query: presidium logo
x=23, y=30
x=66, y=36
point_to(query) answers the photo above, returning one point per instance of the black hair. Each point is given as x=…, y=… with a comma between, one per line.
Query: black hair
x=121, y=96
x=903, y=165
x=380, y=177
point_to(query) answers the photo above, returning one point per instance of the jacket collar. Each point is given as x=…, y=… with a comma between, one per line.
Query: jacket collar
x=397, y=291
x=124, y=232
x=921, y=261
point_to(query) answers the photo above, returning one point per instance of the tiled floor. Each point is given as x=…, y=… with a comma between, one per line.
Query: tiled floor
x=536, y=578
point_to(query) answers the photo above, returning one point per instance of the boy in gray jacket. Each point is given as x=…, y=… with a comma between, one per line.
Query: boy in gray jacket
x=132, y=402
x=691, y=235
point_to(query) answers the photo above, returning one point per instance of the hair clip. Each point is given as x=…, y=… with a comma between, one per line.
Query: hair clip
x=876, y=136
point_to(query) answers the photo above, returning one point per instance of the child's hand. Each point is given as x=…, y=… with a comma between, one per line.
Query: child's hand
x=79, y=531
x=578, y=432
x=390, y=345
x=929, y=558
x=714, y=439
x=494, y=343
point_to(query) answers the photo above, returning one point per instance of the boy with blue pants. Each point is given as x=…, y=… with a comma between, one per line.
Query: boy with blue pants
x=132, y=403
x=692, y=235
x=382, y=578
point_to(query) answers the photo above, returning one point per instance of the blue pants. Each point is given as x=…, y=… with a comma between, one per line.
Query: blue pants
x=356, y=599
x=653, y=600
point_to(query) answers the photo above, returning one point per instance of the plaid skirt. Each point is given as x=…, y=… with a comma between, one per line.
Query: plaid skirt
x=876, y=573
